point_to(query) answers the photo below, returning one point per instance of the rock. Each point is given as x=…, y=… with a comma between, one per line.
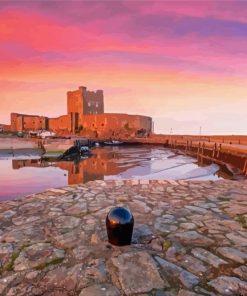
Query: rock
x=233, y=254
x=236, y=209
x=241, y=271
x=4, y=282
x=100, y=290
x=156, y=244
x=237, y=239
x=20, y=290
x=7, y=214
x=188, y=226
x=60, y=277
x=38, y=256
x=96, y=270
x=192, y=264
x=6, y=248
x=81, y=252
x=58, y=191
x=139, y=206
x=192, y=238
x=208, y=257
x=79, y=208
x=67, y=222
x=160, y=293
x=95, y=239
x=187, y=293
x=171, y=270
x=31, y=208
x=138, y=273
x=32, y=275
x=197, y=209
x=164, y=227
x=188, y=279
x=142, y=234
x=70, y=239
x=226, y=285
x=203, y=291
x=24, y=220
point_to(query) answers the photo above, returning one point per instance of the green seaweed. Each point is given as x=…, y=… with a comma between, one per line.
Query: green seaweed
x=242, y=220
x=166, y=245
x=9, y=266
x=49, y=263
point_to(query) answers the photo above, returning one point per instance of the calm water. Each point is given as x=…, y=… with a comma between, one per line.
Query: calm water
x=21, y=175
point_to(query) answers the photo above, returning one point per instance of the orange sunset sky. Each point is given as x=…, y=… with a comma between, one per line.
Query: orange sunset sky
x=182, y=62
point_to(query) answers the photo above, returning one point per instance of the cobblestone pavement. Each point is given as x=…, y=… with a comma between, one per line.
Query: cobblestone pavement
x=190, y=238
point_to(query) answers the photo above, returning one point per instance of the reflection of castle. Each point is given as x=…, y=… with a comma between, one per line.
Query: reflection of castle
x=85, y=110
x=93, y=168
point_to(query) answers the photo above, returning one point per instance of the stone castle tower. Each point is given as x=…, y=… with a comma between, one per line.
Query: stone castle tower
x=83, y=102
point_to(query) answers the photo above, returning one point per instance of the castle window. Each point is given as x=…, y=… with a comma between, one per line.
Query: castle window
x=89, y=104
x=97, y=105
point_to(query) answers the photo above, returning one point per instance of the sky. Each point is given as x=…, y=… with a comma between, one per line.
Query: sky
x=184, y=63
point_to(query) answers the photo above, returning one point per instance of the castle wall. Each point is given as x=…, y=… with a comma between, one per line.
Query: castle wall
x=23, y=122
x=110, y=122
x=61, y=123
x=5, y=127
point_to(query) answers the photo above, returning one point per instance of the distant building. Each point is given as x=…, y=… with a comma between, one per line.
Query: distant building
x=85, y=110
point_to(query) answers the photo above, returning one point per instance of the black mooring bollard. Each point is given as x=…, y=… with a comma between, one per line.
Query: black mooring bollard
x=119, y=225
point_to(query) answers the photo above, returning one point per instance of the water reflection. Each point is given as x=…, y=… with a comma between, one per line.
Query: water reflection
x=19, y=177
x=101, y=163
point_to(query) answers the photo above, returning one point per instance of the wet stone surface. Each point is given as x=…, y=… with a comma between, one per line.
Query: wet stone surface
x=190, y=238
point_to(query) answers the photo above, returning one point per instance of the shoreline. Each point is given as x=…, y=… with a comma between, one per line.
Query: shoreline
x=185, y=232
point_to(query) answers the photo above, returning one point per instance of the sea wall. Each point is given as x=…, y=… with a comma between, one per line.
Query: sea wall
x=12, y=143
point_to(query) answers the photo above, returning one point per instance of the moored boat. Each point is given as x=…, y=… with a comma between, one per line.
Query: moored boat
x=113, y=143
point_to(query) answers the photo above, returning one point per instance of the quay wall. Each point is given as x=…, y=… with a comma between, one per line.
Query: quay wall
x=219, y=151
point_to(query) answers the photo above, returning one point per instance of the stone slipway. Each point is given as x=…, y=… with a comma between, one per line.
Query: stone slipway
x=190, y=239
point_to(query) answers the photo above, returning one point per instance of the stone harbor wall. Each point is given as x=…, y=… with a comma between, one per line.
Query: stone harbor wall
x=190, y=238
x=12, y=143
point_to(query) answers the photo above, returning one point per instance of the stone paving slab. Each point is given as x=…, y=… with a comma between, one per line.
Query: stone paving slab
x=190, y=238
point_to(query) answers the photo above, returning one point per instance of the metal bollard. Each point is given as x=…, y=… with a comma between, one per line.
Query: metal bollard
x=119, y=225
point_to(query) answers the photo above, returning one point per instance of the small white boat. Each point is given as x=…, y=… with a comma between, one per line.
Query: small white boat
x=113, y=143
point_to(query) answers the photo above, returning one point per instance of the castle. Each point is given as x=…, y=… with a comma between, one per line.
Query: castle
x=85, y=112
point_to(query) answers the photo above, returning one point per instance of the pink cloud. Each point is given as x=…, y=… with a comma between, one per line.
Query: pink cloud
x=224, y=10
x=41, y=40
